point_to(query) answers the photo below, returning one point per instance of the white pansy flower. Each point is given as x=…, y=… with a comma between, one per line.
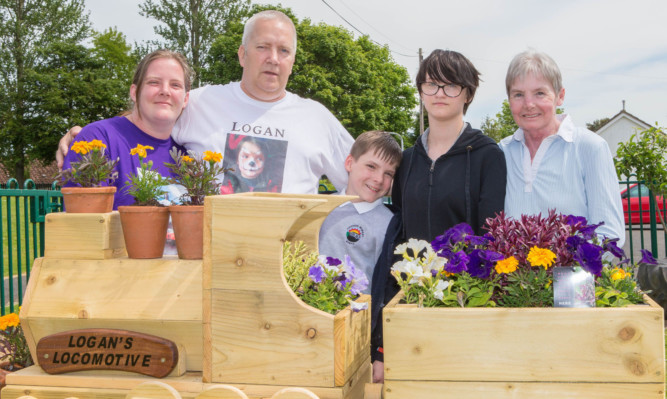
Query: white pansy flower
x=439, y=289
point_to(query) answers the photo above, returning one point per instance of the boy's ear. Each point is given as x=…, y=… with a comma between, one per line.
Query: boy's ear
x=348, y=163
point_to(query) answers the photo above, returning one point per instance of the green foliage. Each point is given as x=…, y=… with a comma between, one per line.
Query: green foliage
x=147, y=184
x=644, y=156
x=329, y=294
x=471, y=292
x=28, y=28
x=93, y=167
x=197, y=173
x=190, y=27
x=13, y=346
x=528, y=288
x=597, y=124
x=616, y=288
x=357, y=80
x=502, y=125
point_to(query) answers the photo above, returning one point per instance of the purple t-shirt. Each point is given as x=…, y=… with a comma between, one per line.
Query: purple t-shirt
x=120, y=136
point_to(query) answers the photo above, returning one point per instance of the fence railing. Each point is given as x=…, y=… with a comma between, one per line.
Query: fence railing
x=22, y=216
x=23, y=211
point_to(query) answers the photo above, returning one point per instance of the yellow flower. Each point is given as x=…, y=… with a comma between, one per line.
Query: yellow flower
x=140, y=150
x=507, y=265
x=186, y=159
x=212, y=156
x=618, y=274
x=9, y=320
x=541, y=257
x=81, y=147
x=97, y=144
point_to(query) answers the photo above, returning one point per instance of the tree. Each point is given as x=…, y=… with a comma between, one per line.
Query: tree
x=74, y=85
x=190, y=27
x=644, y=156
x=356, y=79
x=502, y=126
x=597, y=124
x=28, y=27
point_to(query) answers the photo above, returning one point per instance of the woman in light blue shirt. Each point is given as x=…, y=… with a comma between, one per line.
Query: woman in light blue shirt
x=551, y=163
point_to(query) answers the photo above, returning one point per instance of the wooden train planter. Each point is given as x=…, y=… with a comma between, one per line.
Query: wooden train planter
x=238, y=327
x=521, y=353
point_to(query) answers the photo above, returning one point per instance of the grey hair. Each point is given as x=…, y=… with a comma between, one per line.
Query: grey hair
x=267, y=15
x=537, y=63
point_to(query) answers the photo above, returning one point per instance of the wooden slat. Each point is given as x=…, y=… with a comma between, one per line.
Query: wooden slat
x=84, y=236
x=519, y=390
x=352, y=333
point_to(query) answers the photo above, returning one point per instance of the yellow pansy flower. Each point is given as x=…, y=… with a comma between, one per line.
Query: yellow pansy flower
x=81, y=147
x=212, y=156
x=618, y=274
x=141, y=150
x=507, y=265
x=541, y=257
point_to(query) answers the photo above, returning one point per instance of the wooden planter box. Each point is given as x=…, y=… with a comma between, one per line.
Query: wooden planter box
x=256, y=330
x=524, y=352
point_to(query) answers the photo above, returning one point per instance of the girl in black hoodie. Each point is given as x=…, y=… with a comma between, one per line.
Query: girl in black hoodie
x=452, y=174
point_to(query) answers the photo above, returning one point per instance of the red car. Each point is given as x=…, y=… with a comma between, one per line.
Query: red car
x=633, y=197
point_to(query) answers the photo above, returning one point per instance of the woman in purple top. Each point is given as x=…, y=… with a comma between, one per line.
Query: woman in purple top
x=159, y=91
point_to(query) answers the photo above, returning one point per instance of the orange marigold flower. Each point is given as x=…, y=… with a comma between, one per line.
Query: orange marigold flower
x=619, y=274
x=81, y=147
x=541, y=257
x=212, y=156
x=9, y=320
x=507, y=265
x=97, y=144
x=141, y=150
x=186, y=158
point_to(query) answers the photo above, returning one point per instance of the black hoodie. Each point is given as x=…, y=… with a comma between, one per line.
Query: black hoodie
x=467, y=184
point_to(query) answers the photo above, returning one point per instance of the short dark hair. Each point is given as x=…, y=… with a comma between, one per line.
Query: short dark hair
x=450, y=66
x=381, y=143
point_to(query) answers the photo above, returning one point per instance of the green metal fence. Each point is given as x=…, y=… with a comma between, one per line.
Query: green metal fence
x=22, y=215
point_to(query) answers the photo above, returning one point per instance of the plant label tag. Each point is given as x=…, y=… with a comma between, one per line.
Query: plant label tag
x=107, y=349
x=573, y=287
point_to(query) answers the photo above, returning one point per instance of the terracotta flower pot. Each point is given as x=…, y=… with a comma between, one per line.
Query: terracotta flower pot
x=144, y=230
x=188, y=223
x=88, y=199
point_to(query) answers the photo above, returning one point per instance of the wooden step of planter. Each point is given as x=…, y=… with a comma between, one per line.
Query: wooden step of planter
x=116, y=385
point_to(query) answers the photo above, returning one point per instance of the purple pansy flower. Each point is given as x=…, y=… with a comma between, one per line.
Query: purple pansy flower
x=647, y=257
x=481, y=262
x=611, y=246
x=575, y=220
x=331, y=261
x=457, y=263
x=316, y=273
x=589, y=257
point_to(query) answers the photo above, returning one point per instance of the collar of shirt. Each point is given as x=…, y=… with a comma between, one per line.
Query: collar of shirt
x=362, y=206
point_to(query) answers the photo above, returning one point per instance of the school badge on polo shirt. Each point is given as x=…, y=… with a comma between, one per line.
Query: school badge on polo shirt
x=354, y=233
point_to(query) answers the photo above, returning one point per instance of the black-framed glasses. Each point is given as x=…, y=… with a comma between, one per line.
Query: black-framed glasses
x=450, y=89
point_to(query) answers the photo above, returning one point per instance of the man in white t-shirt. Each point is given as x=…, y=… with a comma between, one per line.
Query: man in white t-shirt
x=274, y=139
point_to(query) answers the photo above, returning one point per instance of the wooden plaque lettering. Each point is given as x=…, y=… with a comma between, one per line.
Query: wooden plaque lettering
x=107, y=349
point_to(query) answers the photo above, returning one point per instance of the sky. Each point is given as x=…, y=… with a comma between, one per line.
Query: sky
x=608, y=51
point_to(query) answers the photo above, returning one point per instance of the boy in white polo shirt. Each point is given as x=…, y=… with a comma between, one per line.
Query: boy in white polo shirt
x=357, y=228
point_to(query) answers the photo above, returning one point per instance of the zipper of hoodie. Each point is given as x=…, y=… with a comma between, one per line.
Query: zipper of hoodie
x=430, y=194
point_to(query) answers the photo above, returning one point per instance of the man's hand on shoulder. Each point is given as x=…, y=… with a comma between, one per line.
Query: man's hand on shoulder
x=63, y=145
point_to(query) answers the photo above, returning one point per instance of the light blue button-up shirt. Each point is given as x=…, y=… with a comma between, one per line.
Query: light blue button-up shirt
x=572, y=172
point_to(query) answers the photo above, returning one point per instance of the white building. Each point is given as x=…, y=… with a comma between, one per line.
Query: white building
x=620, y=128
